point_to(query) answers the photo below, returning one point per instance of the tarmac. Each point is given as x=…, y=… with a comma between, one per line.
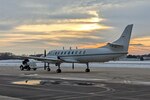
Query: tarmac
x=99, y=84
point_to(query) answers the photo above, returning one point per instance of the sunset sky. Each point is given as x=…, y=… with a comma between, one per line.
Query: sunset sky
x=30, y=26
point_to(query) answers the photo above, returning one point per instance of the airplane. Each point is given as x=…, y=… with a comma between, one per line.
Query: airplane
x=111, y=51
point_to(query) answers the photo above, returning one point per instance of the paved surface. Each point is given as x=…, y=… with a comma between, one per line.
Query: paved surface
x=61, y=89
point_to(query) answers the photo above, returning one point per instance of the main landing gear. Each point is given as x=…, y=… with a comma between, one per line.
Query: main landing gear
x=47, y=67
x=58, y=70
x=87, y=69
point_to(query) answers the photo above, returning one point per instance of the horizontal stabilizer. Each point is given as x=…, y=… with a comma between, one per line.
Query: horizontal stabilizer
x=115, y=45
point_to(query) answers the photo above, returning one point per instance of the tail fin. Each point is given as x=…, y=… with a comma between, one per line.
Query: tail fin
x=125, y=38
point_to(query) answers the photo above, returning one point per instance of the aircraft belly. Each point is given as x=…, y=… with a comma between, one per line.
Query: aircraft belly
x=98, y=58
x=91, y=58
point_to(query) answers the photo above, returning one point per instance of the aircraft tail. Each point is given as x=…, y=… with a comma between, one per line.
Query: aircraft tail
x=124, y=39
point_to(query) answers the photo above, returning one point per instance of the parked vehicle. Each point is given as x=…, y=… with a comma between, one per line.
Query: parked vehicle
x=28, y=65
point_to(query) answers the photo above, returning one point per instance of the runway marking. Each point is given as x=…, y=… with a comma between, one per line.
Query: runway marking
x=94, y=94
x=79, y=97
x=107, y=90
x=75, y=97
x=9, y=98
x=88, y=94
x=47, y=95
x=64, y=96
x=120, y=98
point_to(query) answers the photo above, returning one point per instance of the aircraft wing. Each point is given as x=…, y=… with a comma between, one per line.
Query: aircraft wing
x=53, y=58
x=50, y=59
x=44, y=59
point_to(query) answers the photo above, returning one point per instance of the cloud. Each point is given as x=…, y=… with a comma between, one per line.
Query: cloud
x=54, y=23
x=136, y=44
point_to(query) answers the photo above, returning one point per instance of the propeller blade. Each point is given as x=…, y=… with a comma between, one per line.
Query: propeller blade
x=44, y=62
x=72, y=65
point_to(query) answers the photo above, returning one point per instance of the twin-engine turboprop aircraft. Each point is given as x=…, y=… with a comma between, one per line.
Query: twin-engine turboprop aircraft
x=111, y=51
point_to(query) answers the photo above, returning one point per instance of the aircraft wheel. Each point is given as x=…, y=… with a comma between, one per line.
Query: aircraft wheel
x=21, y=68
x=34, y=69
x=87, y=70
x=58, y=70
x=48, y=69
x=28, y=68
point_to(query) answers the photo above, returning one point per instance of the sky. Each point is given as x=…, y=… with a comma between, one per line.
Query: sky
x=30, y=26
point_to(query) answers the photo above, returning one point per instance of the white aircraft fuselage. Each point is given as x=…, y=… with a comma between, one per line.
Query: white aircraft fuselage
x=86, y=55
x=111, y=51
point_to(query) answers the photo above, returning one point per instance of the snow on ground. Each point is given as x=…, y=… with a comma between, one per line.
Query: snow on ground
x=15, y=63
x=124, y=64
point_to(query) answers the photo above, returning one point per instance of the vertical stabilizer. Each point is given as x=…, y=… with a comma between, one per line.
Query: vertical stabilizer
x=125, y=38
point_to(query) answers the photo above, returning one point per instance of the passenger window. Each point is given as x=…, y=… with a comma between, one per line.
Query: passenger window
x=61, y=52
x=55, y=53
x=84, y=52
x=65, y=52
x=68, y=52
x=76, y=52
x=80, y=52
x=72, y=52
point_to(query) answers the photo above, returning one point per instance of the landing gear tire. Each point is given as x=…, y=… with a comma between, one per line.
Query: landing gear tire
x=34, y=69
x=28, y=68
x=58, y=70
x=87, y=70
x=21, y=68
x=48, y=69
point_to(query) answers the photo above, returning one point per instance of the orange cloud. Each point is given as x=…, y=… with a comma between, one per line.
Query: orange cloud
x=93, y=45
x=140, y=46
x=84, y=25
x=61, y=27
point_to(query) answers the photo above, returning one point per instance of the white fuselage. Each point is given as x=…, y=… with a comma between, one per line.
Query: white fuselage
x=87, y=55
x=111, y=51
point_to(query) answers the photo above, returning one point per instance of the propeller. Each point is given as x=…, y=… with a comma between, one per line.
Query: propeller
x=44, y=62
x=73, y=66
